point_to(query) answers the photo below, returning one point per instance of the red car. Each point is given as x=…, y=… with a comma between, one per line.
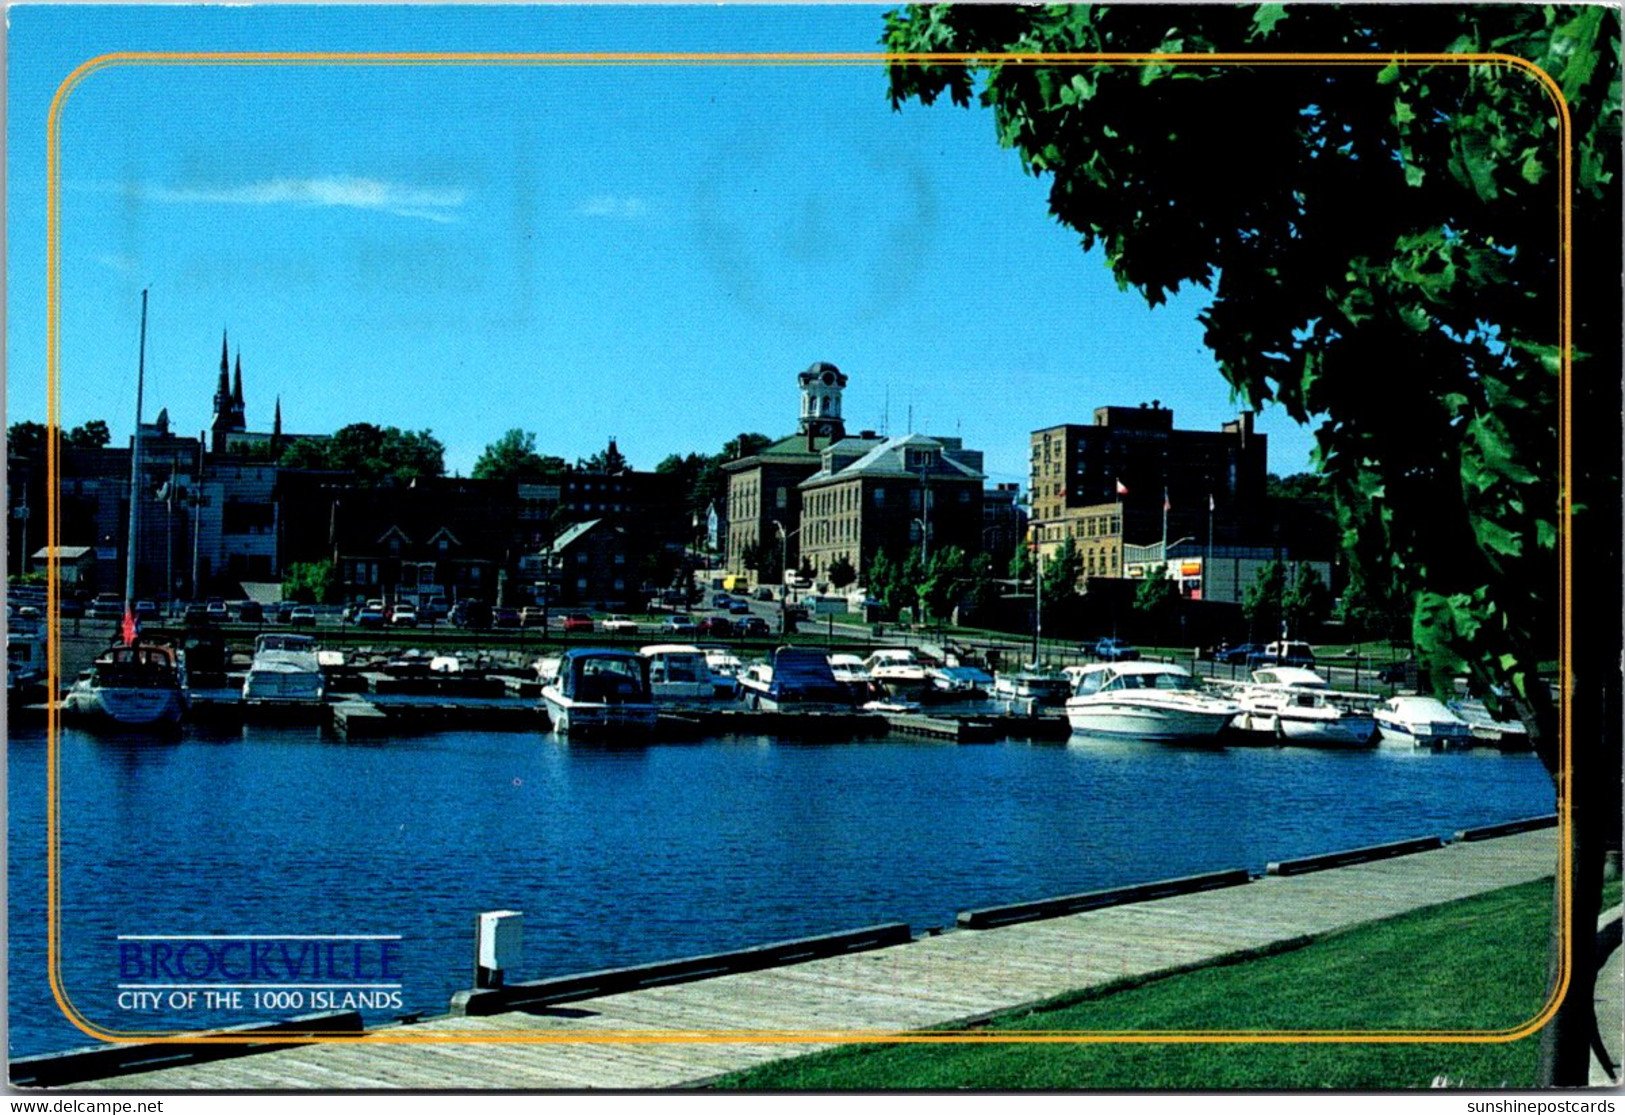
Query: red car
x=578, y=621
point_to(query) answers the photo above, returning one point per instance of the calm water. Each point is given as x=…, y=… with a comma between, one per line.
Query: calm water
x=621, y=856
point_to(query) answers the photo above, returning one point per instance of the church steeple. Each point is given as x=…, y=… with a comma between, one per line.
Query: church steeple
x=228, y=399
x=276, y=430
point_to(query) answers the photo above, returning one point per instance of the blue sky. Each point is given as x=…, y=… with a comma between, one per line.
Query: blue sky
x=651, y=252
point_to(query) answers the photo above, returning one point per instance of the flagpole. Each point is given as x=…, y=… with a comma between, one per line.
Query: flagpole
x=1207, y=562
x=1165, y=526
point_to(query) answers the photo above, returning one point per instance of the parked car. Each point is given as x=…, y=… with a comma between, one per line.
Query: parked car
x=284, y=611
x=679, y=624
x=250, y=611
x=1240, y=655
x=403, y=615
x=1115, y=650
x=620, y=625
x=506, y=617
x=739, y=608
x=716, y=625
x=721, y=600
x=303, y=616
x=372, y=614
x=471, y=614
x=196, y=615
x=577, y=621
x=146, y=610
x=754, y=627
x=764, y=593
x=434, y=609
x=1283, y=654
x=107, y=606
x=532, y=615
x=1395, y=673
x=218, y=611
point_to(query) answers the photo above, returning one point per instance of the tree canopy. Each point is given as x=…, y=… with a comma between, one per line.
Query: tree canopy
x=1386, y=250
x=1382, y=245
x=371, y=453
x=513, y=456
x=27, y=438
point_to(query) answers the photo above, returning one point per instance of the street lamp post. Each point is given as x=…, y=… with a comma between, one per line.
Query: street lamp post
x=784, y=569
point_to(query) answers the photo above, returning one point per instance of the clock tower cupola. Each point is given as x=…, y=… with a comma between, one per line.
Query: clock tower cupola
x=821, y=387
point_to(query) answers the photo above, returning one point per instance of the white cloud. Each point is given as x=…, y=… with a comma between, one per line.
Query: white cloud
x=624, y=208
x=342, y=192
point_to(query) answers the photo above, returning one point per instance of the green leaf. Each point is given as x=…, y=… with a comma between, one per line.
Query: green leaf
x=1388, y=74
x=1265, y=19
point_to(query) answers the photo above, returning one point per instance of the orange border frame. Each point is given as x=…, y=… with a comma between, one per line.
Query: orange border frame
x=405, y=1034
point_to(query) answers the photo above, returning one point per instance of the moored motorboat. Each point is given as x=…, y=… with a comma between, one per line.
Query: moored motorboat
x=25, y=665
x=898, y=671
x=137, y=685
x=799, y=678
x=284, y=669
x=725, y=666
x=1289, y=704
x=1148, y=700
x=1422, y=722
x=960, y=683
x=597, y=691
x=679, y=672
x=849, y=671
x=1507, y=733
x=1040, y=687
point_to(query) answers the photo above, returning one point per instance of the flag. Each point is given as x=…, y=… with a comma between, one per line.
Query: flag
x=1210, y=503
x=1122, y=488
x=1166, y=506
x=129, y=628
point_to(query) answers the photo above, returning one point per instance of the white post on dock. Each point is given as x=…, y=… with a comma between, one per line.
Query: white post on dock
x=499, y=941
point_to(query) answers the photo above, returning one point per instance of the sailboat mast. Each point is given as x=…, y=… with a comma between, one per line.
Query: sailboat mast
x=135, y=468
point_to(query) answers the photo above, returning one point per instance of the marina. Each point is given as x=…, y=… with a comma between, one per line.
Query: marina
x=628, y=853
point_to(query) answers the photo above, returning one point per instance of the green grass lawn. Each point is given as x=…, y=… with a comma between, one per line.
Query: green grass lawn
x=1478, y=964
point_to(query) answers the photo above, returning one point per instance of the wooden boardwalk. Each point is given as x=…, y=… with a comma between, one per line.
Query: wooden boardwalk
x=952, y=978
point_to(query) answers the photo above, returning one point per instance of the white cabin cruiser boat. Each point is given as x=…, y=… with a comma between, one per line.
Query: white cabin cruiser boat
x=25, y=664
x=899, y=671
x=140, y=685
x=1032, y=684
x=725, y=667
x=1422, y=721
x=284, y=668
x=679, y=672
x=851, y=673
x=1290, y=704
x=1147, y=700
x=599, y=691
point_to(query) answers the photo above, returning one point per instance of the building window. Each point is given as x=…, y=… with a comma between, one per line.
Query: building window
x=880, y=497
x=783, y=498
